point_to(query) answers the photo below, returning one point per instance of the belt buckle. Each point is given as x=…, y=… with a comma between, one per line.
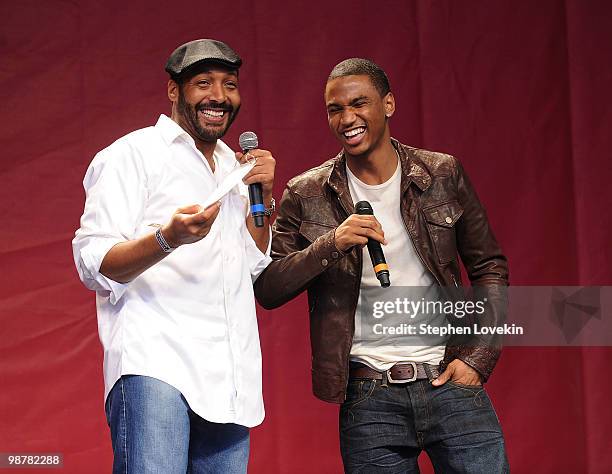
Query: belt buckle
x=411, y=379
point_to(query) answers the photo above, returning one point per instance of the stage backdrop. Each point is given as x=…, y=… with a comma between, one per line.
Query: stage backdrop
x=519, y=91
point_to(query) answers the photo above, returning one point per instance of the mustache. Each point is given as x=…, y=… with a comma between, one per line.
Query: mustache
x=215, y=106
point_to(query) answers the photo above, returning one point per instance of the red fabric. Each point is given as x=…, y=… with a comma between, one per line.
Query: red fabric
x=519, y=91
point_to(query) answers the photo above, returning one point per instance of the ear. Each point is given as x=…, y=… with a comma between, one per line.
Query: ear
x=389, y=104
x=173, y=91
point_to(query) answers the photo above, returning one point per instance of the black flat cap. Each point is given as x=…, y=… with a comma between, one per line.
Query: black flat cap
x=199, y=51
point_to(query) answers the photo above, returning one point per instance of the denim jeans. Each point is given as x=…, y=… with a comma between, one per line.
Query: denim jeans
x=153, y=430
x=384, y=428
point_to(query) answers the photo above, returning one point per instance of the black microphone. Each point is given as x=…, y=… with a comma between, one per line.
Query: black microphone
x=248, y=141
x=374, y=248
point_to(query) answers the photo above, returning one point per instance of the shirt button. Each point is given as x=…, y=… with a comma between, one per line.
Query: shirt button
x=334, y=254
x=448, y=220
x=324, y=262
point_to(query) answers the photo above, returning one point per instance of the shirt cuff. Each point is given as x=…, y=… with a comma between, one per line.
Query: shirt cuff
x=258, y=261
x=89, y=269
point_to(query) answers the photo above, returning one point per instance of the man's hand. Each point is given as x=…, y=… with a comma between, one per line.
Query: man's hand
x=126, y=260
x=262, y=172
x=459, y=372
x=190, y=224
x=356, y=230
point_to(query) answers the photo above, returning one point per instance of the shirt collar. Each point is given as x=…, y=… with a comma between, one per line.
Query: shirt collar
x=170, y=130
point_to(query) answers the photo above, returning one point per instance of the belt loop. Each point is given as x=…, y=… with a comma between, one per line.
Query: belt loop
x=384, y=382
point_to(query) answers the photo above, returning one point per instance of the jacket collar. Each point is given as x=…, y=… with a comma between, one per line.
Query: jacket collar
x=413, y=171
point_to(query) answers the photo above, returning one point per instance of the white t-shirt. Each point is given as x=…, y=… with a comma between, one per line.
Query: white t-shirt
x=405, y=268
x=189, y=320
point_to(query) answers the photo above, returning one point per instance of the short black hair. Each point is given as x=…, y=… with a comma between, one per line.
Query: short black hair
x=362, y=67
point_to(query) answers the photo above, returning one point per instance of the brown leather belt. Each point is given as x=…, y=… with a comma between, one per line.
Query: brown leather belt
x=400, y=373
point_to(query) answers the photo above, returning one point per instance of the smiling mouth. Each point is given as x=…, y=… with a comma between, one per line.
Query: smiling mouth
x=354, y=135
x=212, y=115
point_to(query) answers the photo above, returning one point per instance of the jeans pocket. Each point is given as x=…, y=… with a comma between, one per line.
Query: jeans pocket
x=476, y=393
x=462, y=385
x=358, y=391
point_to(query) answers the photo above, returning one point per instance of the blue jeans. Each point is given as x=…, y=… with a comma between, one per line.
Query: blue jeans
x=384, y=428
x=153, y=430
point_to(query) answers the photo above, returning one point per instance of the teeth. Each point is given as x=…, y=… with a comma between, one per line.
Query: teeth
x=353, y=132
x=213, y=113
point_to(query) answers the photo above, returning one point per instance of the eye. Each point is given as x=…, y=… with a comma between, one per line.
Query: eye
x=231, y=85
x=333, y=110
x=203, y=83
x=359, y=104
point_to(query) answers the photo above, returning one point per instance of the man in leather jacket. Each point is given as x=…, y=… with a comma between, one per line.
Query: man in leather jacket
x=396, y=400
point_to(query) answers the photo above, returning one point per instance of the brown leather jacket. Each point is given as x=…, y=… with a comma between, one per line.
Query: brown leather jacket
x=443, y=217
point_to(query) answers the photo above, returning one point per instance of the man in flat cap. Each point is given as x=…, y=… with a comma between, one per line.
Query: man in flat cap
x=399, y=394
x=173, y=280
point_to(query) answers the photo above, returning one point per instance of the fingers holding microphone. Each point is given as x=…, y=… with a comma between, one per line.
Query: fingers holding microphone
x=260, y=179
x=362, y=228
x=356, y=230
x=262, y=172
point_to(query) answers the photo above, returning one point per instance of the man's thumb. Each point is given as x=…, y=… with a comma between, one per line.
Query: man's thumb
x=443, y=377
x=193, y=209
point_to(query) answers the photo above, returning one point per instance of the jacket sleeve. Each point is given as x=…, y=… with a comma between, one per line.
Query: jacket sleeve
x=295, y=261
x=487, y=270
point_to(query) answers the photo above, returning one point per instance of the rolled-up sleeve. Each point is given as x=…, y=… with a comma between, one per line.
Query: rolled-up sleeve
x=115, y=198
x=256, y=259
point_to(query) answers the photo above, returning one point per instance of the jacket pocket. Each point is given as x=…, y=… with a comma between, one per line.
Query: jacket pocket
x=441, y=220
x=311, y=231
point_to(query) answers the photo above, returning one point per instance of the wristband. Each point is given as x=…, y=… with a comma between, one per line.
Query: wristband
x=270, y=210
x=163, y=243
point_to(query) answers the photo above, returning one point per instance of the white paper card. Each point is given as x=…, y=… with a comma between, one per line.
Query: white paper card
x=228, y=183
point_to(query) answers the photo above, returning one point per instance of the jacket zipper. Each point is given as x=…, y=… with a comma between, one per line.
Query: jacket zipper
x=357, y=288
x=427, y=266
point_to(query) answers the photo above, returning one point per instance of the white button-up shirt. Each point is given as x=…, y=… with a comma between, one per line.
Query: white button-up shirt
x=190, y=319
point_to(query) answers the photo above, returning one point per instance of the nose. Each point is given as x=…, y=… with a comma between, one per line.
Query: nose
x=217, y=93
x=347, y=117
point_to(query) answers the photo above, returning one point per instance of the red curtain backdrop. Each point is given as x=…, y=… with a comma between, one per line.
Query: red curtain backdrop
x=519, y=91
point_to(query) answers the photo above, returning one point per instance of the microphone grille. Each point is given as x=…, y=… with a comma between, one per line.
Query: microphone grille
x=363, y=208
x=248, y=141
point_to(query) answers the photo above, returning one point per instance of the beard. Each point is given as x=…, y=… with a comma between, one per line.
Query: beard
x=190, y=115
